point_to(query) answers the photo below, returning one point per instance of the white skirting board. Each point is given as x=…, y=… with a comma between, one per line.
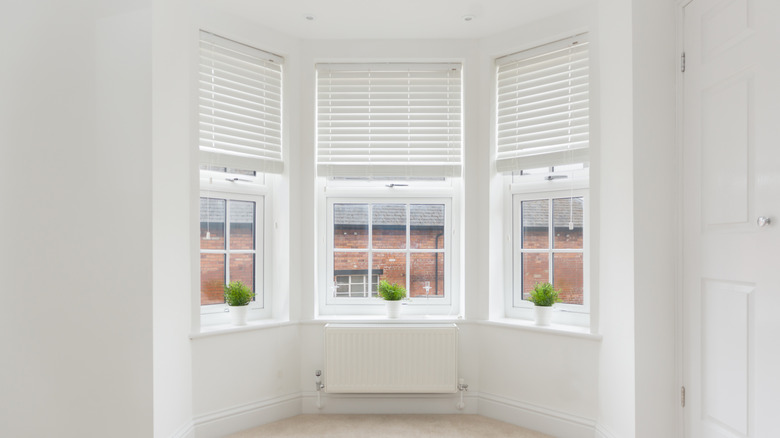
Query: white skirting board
x=238, y=418
x=539, y=418
x=603, y=432
x=186, y=430
x=389, y=403
x=227, y=421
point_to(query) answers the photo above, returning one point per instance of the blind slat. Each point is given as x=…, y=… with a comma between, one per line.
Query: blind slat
x=239, y=106
x=542, y=106
x=389, y=120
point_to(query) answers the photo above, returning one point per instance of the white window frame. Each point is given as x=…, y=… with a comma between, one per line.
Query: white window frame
x=237, y=187
x=369, y=192
x=537, y=187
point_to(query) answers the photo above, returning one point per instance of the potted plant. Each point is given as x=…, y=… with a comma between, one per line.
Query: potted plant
x=392, y=294
x=238, y=296
x=543, y=296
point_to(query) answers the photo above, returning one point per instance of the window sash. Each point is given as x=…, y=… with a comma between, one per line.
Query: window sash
x=515, y=290
x=389, y=120
x=259, y=272
x=543, y=105
x=239, y=105
x=444, y=299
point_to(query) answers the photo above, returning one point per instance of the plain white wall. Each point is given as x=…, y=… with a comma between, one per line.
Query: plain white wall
x=172, y=231
x=656, y=216
x=76, y=271
x=616, y=244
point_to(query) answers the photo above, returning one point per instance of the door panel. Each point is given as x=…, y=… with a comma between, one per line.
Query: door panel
x=731, y=266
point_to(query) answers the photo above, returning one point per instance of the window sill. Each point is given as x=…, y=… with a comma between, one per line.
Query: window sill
x=553, y=329
x=371, y=319
x=223, y=329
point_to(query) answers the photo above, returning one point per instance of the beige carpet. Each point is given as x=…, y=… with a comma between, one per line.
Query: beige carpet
x=387, y=426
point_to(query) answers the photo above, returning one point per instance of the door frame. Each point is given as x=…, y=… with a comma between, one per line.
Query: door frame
x=679, y=302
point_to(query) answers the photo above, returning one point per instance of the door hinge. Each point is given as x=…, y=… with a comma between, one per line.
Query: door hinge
x=682, y=396
x=682, y=62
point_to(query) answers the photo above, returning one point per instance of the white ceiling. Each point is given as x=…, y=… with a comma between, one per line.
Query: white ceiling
x=395, y=19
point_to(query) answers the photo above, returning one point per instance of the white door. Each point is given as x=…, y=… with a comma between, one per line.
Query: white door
x=731, y=265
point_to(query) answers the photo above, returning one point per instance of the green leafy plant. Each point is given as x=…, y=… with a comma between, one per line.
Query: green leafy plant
x=391, y=292
x=544, y=295
x=238, y=294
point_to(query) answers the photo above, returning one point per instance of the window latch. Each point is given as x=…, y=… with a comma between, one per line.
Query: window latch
x=552, y=177
x=237, y=179
x=396, y=185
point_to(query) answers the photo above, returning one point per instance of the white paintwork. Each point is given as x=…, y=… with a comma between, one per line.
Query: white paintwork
x=172, y=236
x=403, y=19
x=732, y=166
x=75, y=180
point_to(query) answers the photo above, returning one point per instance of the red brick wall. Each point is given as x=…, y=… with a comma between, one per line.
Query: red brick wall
x=393, y=264
x=212, y=266
x=568, y=267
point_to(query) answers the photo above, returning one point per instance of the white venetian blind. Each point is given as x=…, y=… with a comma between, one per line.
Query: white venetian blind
x=543, y=106
x=389, y=120
x=240, y=106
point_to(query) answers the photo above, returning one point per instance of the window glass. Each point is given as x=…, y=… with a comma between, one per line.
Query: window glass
x=567, y=221
x=407, y=246
x=388, y=225
x=228, y=252
x=350, y=225
x=536, y=223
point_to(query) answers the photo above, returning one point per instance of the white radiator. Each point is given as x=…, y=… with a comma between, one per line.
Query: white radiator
x=391, y=358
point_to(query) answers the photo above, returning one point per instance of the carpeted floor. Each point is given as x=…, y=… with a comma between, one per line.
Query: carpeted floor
x=389, y=426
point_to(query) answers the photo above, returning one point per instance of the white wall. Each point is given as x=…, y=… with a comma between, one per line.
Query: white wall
x=173, y=235
x=76, y=272
x=656, y=216
x=616, y=248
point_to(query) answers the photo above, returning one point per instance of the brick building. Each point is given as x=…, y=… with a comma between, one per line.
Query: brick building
x=426, y=248
x=567, y=266
x=213, y=266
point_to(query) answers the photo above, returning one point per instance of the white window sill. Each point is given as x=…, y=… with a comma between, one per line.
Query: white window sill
x=223, y=329
x=362, y=319
x=552, y=329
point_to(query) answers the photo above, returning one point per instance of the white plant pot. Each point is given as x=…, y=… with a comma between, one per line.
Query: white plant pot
x=238, y=314
x=393, y=309
x=542, y=315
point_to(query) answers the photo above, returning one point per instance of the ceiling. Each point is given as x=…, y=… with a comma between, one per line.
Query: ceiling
x=395, y=19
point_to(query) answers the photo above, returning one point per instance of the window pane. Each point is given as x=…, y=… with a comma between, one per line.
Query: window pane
x=567, y=220
x=346, y=266
x=350, y=225
x=389, y=226
x=390, y=266
x=427, y=226
x=212, y=278
x=212, y=223
x=536, y=269
x=242, y=225
x=567, y=275
x=242, y=268
x=427, y=275
x=536, y=222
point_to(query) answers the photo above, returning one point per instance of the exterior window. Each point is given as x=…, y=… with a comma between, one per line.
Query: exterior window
x=240, y=146
x=355, y=285
x=550, y=246
x=407, y=241
x=402, y=243
x=542, y=126
x=231, y=248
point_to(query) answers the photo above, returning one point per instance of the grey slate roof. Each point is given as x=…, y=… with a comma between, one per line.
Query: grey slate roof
x=536, y=213
x=213, y=210
x=421, y=215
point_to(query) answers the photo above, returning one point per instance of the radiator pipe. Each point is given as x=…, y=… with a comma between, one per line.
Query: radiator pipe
x=319, y=386
x=462, y=387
